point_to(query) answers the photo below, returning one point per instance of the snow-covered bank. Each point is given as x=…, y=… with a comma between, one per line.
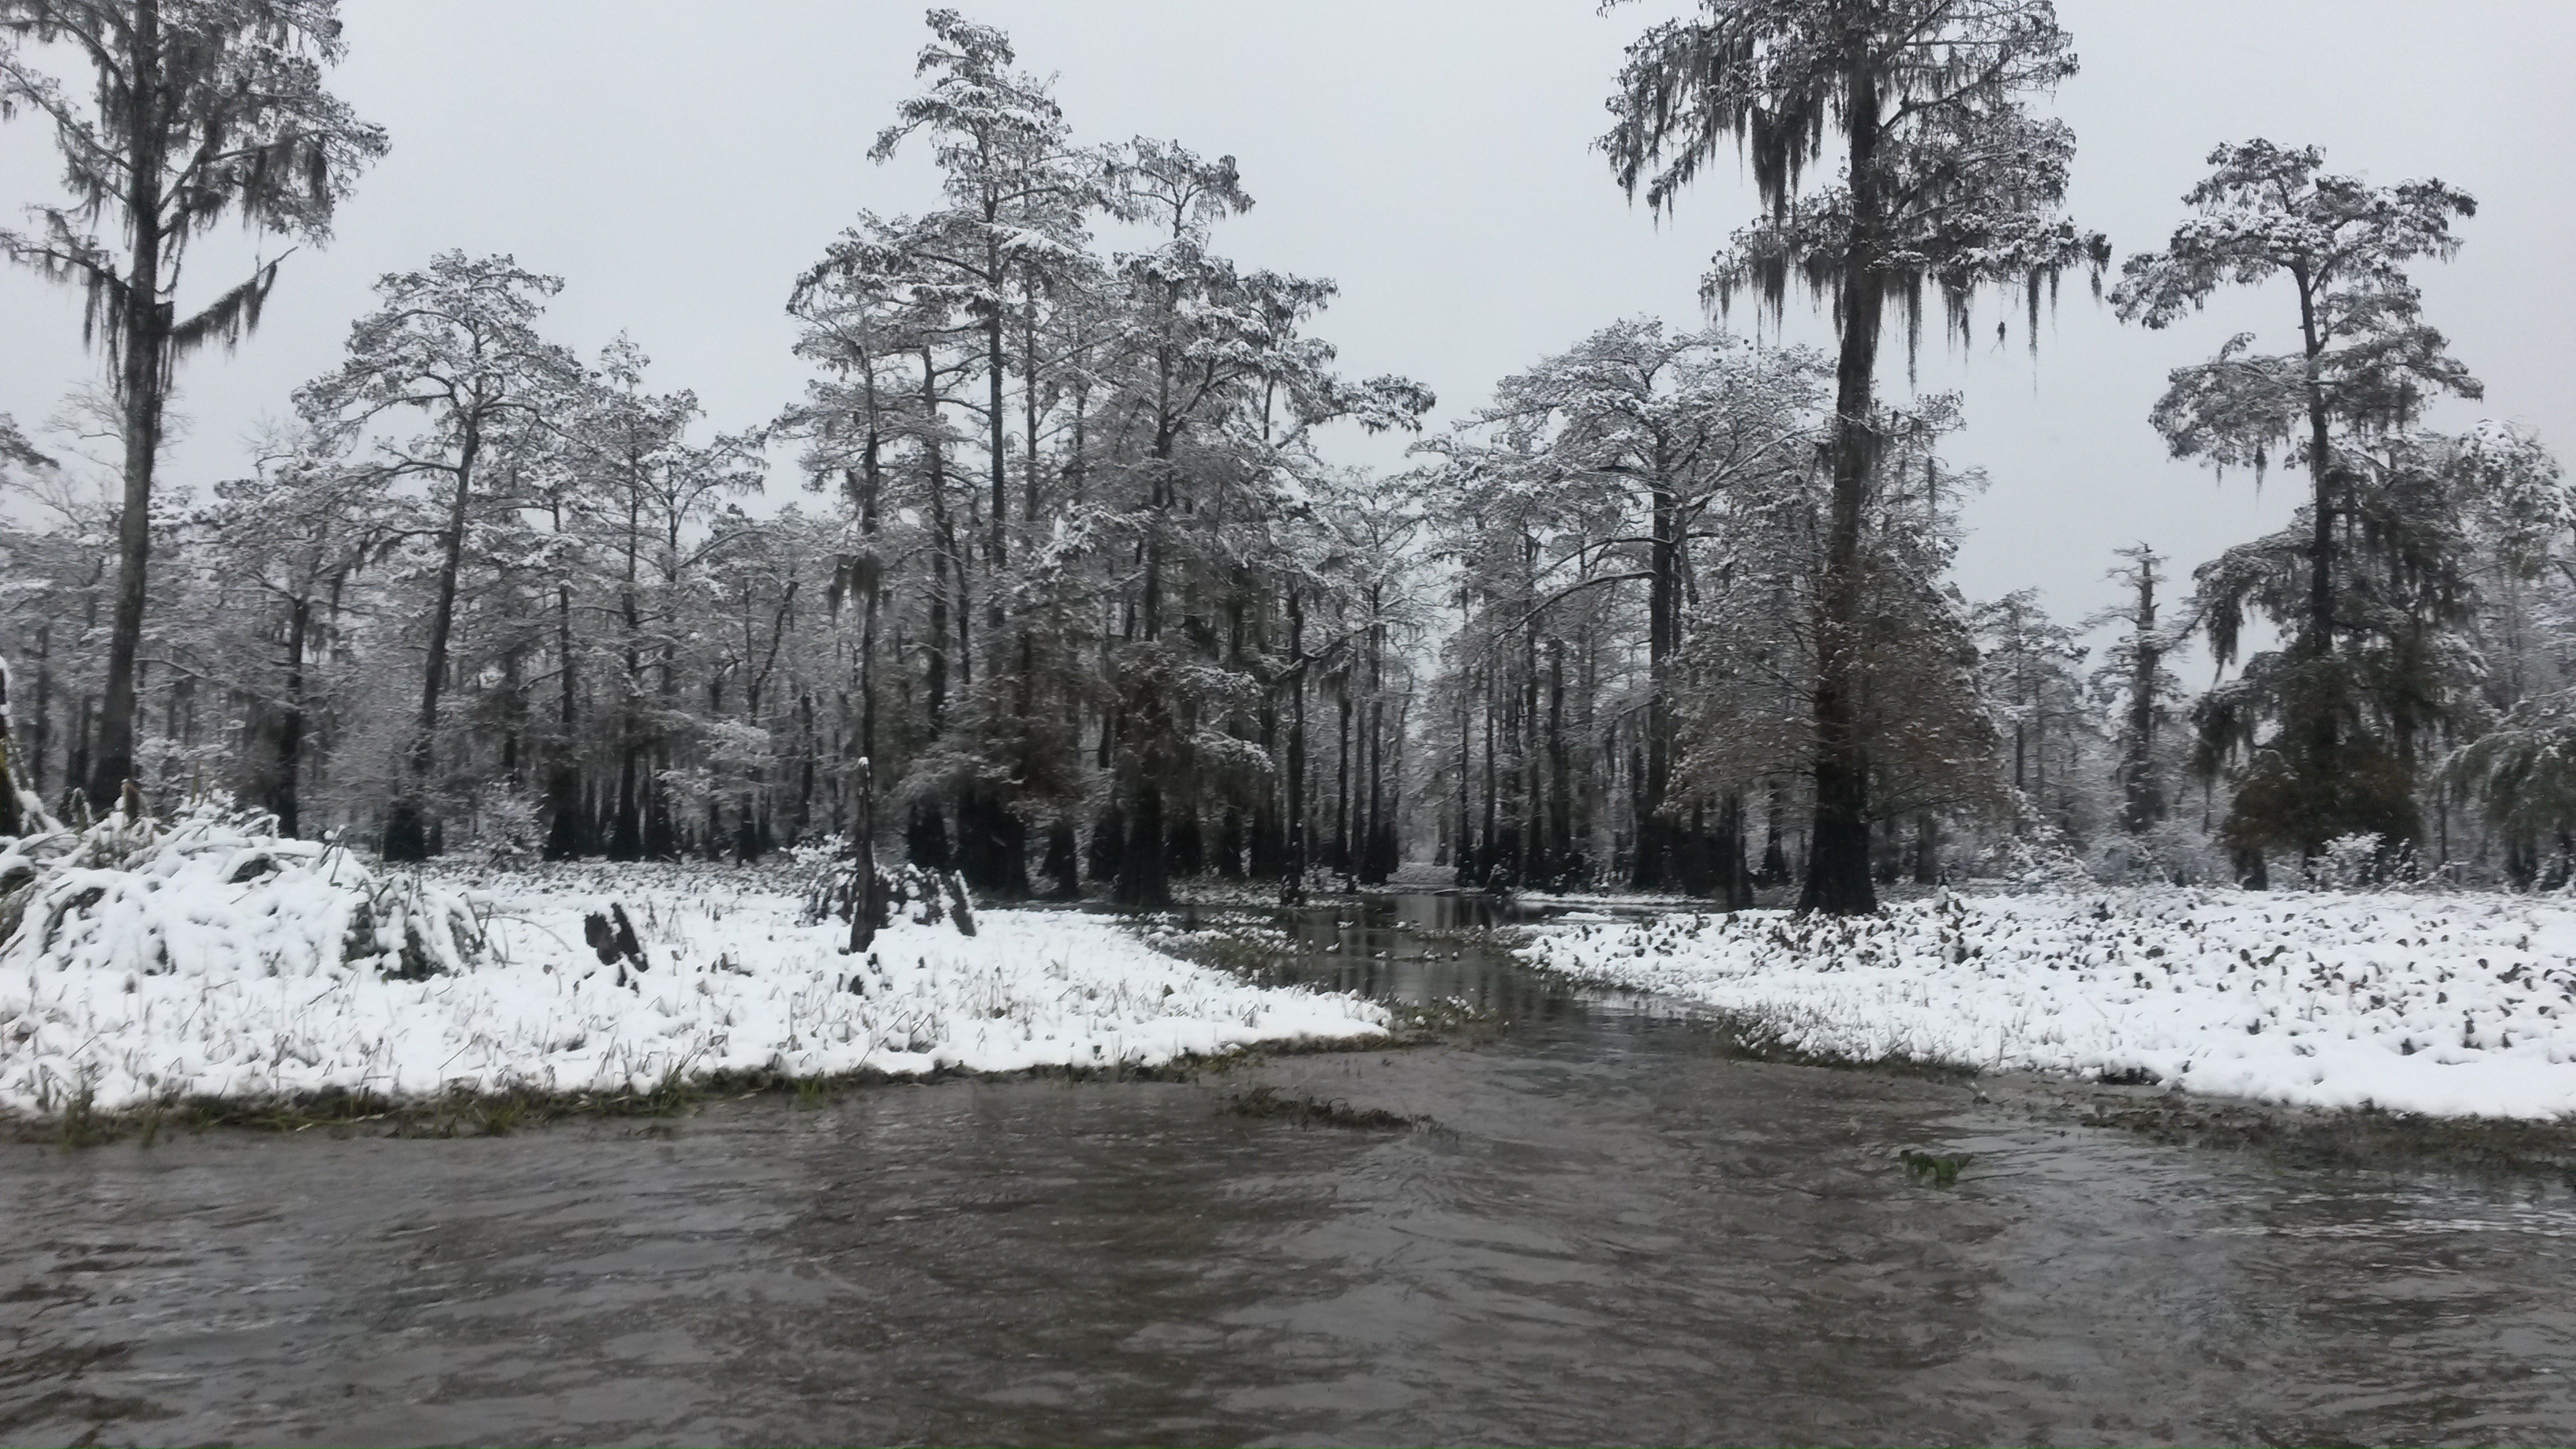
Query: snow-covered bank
x=734, y=983
x=2457, y=1005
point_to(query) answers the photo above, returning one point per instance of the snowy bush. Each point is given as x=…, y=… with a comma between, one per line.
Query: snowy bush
x=509, y=827
x=2042, y=861
x=2351, y=862
x=2169, y=852
x=215, y=891
x=904, y=892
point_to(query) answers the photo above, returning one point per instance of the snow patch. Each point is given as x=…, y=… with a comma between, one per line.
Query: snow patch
x=2456, y=1005
x=734, y=982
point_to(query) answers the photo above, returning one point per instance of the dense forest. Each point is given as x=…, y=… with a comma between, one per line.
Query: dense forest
x=1074, y=602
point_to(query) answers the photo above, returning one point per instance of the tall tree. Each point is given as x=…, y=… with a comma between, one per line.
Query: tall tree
x=204, y=109
x=2365, y=365
x=294, y=533
x=1609, y=465
x=457, y=343
x=1948, y=182
x=2133, y=675
x=1020, y=192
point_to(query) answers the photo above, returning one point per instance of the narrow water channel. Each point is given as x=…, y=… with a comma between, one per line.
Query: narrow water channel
x=1612, y=1232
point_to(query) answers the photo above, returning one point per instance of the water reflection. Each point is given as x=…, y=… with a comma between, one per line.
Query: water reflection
x=1618, y=1233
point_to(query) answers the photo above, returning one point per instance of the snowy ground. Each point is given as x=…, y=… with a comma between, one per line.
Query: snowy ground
x=734, y=984
x=2454, y=1005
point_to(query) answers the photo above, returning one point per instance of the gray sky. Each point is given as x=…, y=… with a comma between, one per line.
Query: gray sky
x=678, y=164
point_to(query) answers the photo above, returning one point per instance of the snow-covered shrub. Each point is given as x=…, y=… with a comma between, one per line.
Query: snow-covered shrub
x=216, y=891
x=509, y=829
x=904, y=893
x=2042, y=861
x=2170, y=852
x=2350, y=862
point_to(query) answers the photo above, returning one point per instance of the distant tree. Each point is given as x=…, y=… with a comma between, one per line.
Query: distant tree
x=2133, y=676
x=295, y=532
x=1020, y=191
x=204, y=109
x=1613, y=464
x=2363, y=369
x=456, y=342
x=2031, y=665
x=1948, y=182
x=649, y=490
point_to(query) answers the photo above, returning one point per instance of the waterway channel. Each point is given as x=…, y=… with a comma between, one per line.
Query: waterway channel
x=1604, y=1227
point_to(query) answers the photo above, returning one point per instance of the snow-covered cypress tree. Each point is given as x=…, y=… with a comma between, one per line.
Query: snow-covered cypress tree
x=457, y=343
x=2364, y=365
x=1948, y=182
x=205, y=109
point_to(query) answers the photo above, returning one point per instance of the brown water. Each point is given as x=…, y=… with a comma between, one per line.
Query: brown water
x=1617, y=1233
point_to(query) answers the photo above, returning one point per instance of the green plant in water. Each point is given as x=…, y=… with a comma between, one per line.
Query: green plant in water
x=1940, y=1168
x=500, y=1116
x=81, y=1125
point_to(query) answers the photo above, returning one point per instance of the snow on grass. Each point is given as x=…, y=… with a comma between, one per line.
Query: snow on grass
x=2455, y=1005
x=735, y=984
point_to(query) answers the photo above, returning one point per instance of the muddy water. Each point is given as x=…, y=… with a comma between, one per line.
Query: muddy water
x=1616, y=1233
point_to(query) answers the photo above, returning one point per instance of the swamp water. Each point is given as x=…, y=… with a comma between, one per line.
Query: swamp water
x=1611, y=1231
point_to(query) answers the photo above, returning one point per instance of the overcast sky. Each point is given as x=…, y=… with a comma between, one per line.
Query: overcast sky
x=679, y=163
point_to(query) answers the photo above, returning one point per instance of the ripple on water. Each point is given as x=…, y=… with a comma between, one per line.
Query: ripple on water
x=1617, y=1232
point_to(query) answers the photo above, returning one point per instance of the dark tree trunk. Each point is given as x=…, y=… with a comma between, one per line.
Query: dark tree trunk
x=1653, y=869
x=1295, y=874
x=2142, y=802
x=867, y=903
x=1838, y=875
x=1342, y=791
x=12, y=823
x=1143, y=883
x=282, y=797
x=407, y=827
x=1063, y=860
x=1108, y=846
x=1185, y=850
x=566, y=836
x=926, y=837
x=1560, y=804
x=142, y=375
x=41, y=738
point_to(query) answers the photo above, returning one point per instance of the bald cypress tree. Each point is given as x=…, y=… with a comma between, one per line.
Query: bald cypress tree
x=455, y=343
x=204, y=110
x=2364, y=365
x=1948, y=183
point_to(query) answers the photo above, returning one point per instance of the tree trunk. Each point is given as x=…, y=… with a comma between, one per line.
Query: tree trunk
x=866, y=901
x=12, y=824
x=282, y=798
x=1293, y=890
x=1653, y=869
x=406, y=830
x=142, y=376
x=1560, y=805
x=2143, y=800
x=565, y=837
x=944, y=542
x=42, y=737
x=1838, y=876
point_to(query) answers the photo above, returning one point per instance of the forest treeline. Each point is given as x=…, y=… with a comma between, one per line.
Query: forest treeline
x=1074, y=595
